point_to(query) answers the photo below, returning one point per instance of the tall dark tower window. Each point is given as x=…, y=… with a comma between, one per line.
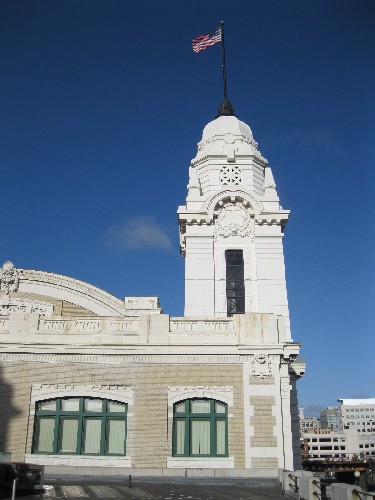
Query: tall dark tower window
x=235, y=282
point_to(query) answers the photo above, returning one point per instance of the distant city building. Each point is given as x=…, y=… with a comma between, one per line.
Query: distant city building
x=359, y=413
x=331, y=419
x=356, y=436
x=308, y=424
x=323, y=444
x=359, y=443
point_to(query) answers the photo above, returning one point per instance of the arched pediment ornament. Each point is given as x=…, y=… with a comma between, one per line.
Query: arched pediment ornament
x=234, y=220
x=59, y=287
x=9, y=279
x=215, y=203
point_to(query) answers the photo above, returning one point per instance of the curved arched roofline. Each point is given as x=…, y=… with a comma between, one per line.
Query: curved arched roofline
x=77, y=292
x=236, y=194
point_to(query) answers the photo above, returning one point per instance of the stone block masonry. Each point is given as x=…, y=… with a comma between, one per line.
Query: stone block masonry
x=149, y=428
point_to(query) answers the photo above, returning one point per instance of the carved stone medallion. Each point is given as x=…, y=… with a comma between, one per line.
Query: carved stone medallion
x=8, y=278
x=261, y=366
x=234, y=220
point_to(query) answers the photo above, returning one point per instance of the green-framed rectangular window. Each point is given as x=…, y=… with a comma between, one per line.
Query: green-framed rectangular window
x=80, y=426
x=200, y=428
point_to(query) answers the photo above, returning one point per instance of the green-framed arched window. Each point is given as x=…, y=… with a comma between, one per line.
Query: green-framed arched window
x=80, y=426
x=200, y=428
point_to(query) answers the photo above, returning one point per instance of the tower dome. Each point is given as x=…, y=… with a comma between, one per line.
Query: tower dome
x=226, y=127
x=227, y=135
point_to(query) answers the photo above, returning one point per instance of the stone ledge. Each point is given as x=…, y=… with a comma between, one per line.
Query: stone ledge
x=78, y=460
x=200, y=463
x=268, y=475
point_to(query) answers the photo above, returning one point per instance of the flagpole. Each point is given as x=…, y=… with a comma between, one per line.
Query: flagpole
x=223, y=59
x=225, y=108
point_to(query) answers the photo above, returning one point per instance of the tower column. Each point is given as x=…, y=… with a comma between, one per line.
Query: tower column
x=199, y=275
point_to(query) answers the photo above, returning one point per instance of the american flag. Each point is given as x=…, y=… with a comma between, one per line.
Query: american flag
x=202, y=41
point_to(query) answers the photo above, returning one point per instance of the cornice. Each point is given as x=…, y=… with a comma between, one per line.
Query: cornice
x=135, y=359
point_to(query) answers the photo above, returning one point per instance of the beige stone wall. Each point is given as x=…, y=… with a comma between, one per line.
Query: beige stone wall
x=147, y=443
x=263, y=422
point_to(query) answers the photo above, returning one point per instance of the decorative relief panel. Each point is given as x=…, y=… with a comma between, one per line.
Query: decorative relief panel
x=201, y=326
x=54, y=325
x=234, y=220
x=83, y=325
x=261, y=366
x=25, y=306
x=88, y=325
x=124, y=326
x=9, y=279
x=230, y=175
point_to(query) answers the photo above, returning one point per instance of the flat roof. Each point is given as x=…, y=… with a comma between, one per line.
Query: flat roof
x=353, y=402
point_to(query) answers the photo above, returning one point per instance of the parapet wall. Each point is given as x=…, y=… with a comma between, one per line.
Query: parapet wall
x=246, y=329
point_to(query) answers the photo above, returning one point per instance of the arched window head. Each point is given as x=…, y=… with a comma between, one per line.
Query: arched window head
x=200, y=428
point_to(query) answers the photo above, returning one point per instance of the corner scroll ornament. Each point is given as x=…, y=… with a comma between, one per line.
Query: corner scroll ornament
x=234, y=220
x=261, y=366
x=9, y=279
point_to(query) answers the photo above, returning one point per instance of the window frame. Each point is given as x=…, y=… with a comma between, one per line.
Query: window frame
x=235, y=281
x=188, y=417
x=82, y=416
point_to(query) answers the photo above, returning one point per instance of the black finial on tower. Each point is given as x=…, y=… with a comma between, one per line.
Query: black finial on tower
x=225, y=108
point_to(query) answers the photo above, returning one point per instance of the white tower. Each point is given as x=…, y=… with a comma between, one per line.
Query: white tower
x=231, y=228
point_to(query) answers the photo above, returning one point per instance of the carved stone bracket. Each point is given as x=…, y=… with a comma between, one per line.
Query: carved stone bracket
x=9, y=279
x=261, y=366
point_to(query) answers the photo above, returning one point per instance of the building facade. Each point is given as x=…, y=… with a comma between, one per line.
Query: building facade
x=89, y=380
x=331, y=418
x=358, y=413
x=325, y=444
x=309, y=424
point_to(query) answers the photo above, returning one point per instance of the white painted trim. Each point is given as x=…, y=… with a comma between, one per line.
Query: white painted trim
x=51, y=391
x=175, y=394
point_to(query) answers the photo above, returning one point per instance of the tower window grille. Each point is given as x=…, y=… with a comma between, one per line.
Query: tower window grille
x=235, y=286
x=230, y=174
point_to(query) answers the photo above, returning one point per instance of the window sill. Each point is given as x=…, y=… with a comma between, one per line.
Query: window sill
x=78, y=460
x=200, y=463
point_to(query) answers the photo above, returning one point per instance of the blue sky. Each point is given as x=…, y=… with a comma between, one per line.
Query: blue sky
x=102, y=104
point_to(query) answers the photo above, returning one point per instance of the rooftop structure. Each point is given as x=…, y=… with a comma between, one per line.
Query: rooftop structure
x=90, y=380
